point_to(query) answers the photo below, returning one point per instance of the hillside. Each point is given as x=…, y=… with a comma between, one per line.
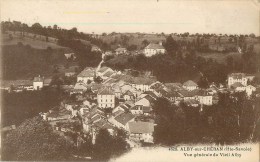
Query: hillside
x=24, y=62
x=29, y=40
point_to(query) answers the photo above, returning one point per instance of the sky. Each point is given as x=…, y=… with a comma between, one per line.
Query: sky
x=168, y=16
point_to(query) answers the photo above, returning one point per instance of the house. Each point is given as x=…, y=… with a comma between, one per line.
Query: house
x=204, y=98
x=190, y=85
x=47, y=82
x=146, y=101
x=38, y=82
x=153, y=49
x=71, y=71
x=106, y=98
x=142, y=83
x=237, y=78
x=174, y=97
x=17, y=85
x=107, y=75
x=80, y=86
x=152, y=94
x=120, y=50
x=122, y=120
x=108, y=53
x=141, y=131
x=217, y=47
x=122, y=107
x=238, y=87
x=250, y=89
x=191, y=102
x=128, y=95
x=61, y=114
x=139, y=109
x=87, y=75
x=70, y=56
x=173, y=86
x=103, y=70
x=95, y=49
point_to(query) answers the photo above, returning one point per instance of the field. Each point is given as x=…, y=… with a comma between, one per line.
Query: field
x=220, y=57
x=23, y=62
x=28, y=40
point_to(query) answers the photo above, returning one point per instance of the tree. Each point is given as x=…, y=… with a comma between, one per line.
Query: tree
x=35, y=140
x=203, y=82
x=98, y=79
x=107, y=146
x=171, y=45
x=145, y=43
x=170, y=123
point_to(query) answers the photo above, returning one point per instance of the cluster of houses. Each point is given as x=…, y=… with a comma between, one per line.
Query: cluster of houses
x=122, y=101
x=126, y=102
x=37, y=83
x=239, y=82
x=150, y=50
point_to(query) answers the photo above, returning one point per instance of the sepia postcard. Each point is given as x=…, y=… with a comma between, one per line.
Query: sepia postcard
x=130, y=80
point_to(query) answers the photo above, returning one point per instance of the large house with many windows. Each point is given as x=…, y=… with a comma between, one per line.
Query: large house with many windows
x=153, y=49
x=106, y=98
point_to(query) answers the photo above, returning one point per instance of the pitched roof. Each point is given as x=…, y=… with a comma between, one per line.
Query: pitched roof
x=118, y=112
x=120, y=49
x=141, y=127
x=129, y=93
x=151, y=94
x=237, y=75
x=103, y=69
x=237, y=84
x=47, y=81
x=87, y=73
x=190, y=83
x=149, y=98
x=106, y=91
x=81, y=86
x=38, y=79
x=191, y=101
x=124, y=118
x=108, y=73
x=154, y=46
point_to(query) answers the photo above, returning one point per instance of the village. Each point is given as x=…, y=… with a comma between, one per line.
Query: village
x=103, y=98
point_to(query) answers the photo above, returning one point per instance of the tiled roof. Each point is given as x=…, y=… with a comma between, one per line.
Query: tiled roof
x=154, y=46
x=149, y=98
x=137, y=80
x=151, y=94
x=38, y=79
x=106, y=91
x=47, y=81
x=191, y=101
x=108, y=73
x=80, y=85
x=124, y=118
x=87, y=73
x=237, y=75
x=129, y=93
x=118, y=112
x=120, y=49
x=141, y=127
x=103, y=69
x=237, y=84
x=147, y=109
x=190, y=83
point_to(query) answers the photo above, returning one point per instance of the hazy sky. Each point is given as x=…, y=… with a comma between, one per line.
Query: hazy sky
x=215, y=16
